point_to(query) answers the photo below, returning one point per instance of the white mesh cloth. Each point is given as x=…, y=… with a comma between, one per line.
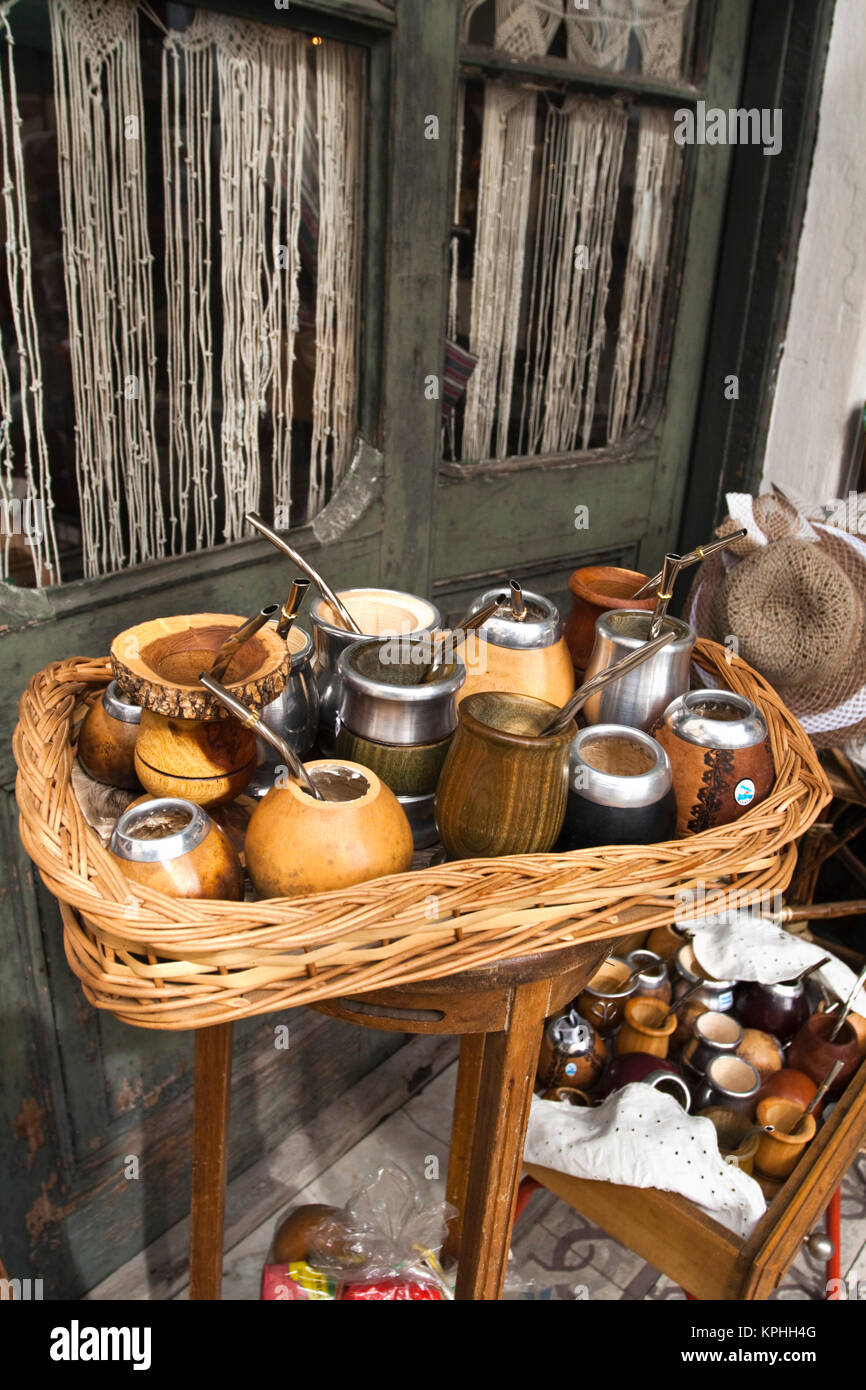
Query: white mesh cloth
x=641, y=1137
x=742, y=946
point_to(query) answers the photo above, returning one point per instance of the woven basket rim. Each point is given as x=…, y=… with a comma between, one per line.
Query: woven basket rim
x=153, y=959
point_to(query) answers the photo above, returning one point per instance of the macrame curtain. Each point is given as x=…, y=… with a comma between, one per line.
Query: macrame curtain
x=30, y=492
x=656, y=172
x=261, y=161
x=273, y=123
x=577, y=165
x=261, y=80
x=338, y=129
x=497, y=282
x=597, y=35
x=107, y=265
x=187, y=127
x=583, y=148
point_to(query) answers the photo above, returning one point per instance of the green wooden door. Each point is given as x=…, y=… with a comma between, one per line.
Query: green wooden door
x=79, y=1092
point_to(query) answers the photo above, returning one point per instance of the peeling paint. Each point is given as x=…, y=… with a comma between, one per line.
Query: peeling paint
x=28, y=1125
x=43, y=1220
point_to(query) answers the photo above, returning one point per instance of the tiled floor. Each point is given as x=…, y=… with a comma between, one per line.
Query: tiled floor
x=556, y=1254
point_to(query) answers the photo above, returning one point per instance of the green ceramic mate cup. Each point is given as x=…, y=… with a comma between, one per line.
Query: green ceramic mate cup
x=503, y=788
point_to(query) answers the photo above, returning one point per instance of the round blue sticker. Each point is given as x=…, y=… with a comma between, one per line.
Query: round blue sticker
x=744, y=792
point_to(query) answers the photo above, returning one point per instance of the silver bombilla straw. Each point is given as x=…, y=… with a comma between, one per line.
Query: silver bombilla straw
x=518, y=602
x=847, y=1006
x=664, y=594
x=289, y=610
x=324, y=588
x=252, y=720
x=564, y=716
x=700, y=552
x=457, y=634
x=819, y=1095
x=223, y=659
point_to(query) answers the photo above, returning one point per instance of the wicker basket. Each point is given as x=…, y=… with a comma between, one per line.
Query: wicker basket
x=160, y=962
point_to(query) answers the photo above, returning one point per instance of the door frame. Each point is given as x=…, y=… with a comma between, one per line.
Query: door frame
x=787, y=56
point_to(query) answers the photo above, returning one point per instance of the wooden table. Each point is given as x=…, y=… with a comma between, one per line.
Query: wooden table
x=499, y=1012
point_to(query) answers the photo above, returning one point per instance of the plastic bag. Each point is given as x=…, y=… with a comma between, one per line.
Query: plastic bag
x=383, y=1245
x=391, y=1234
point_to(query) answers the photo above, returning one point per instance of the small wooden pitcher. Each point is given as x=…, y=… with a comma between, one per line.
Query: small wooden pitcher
x=647, y=1028
x=779, y=1153
x=503, y=792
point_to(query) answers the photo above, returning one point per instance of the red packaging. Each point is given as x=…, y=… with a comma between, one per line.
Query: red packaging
x=296, y=1283
x=392, y=1290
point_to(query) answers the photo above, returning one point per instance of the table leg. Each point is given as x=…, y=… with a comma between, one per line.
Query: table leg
x=211, y=1092
x=462, y=1130
x=506, y=1079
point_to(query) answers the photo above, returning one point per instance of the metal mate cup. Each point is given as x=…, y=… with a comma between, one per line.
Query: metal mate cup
x=640, y=696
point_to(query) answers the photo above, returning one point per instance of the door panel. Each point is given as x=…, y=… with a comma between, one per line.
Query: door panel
x=524, y=508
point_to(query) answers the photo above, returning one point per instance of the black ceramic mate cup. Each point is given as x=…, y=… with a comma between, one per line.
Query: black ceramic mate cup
x=619, y=789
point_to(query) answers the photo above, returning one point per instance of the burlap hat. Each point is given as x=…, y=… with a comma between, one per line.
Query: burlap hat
x=792, y=592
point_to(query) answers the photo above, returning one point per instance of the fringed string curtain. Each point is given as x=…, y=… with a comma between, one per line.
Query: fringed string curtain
x=571, y=276
x=187, y=125
x=656, y=171
x=267, y=112
x=261, y=161
x=557, y=312
x=503, y=212
x=338, y=87
x=107, y=265
x=260, y=122
x=33, y=491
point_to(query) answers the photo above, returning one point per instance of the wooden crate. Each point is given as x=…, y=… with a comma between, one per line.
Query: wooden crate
x=704, y=1258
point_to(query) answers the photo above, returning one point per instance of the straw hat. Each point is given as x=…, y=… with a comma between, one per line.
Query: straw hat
x=793, y=594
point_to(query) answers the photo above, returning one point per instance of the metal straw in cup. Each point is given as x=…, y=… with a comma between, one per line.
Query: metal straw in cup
x=700, y=552
x=232, y=645
x=819, y=1095
x=457, y=634
x=252, y=720
x=847, y=1006
x=518, y=602
x=562, y=719
x=324, y=588
x=289, y=610
x=665, y=593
